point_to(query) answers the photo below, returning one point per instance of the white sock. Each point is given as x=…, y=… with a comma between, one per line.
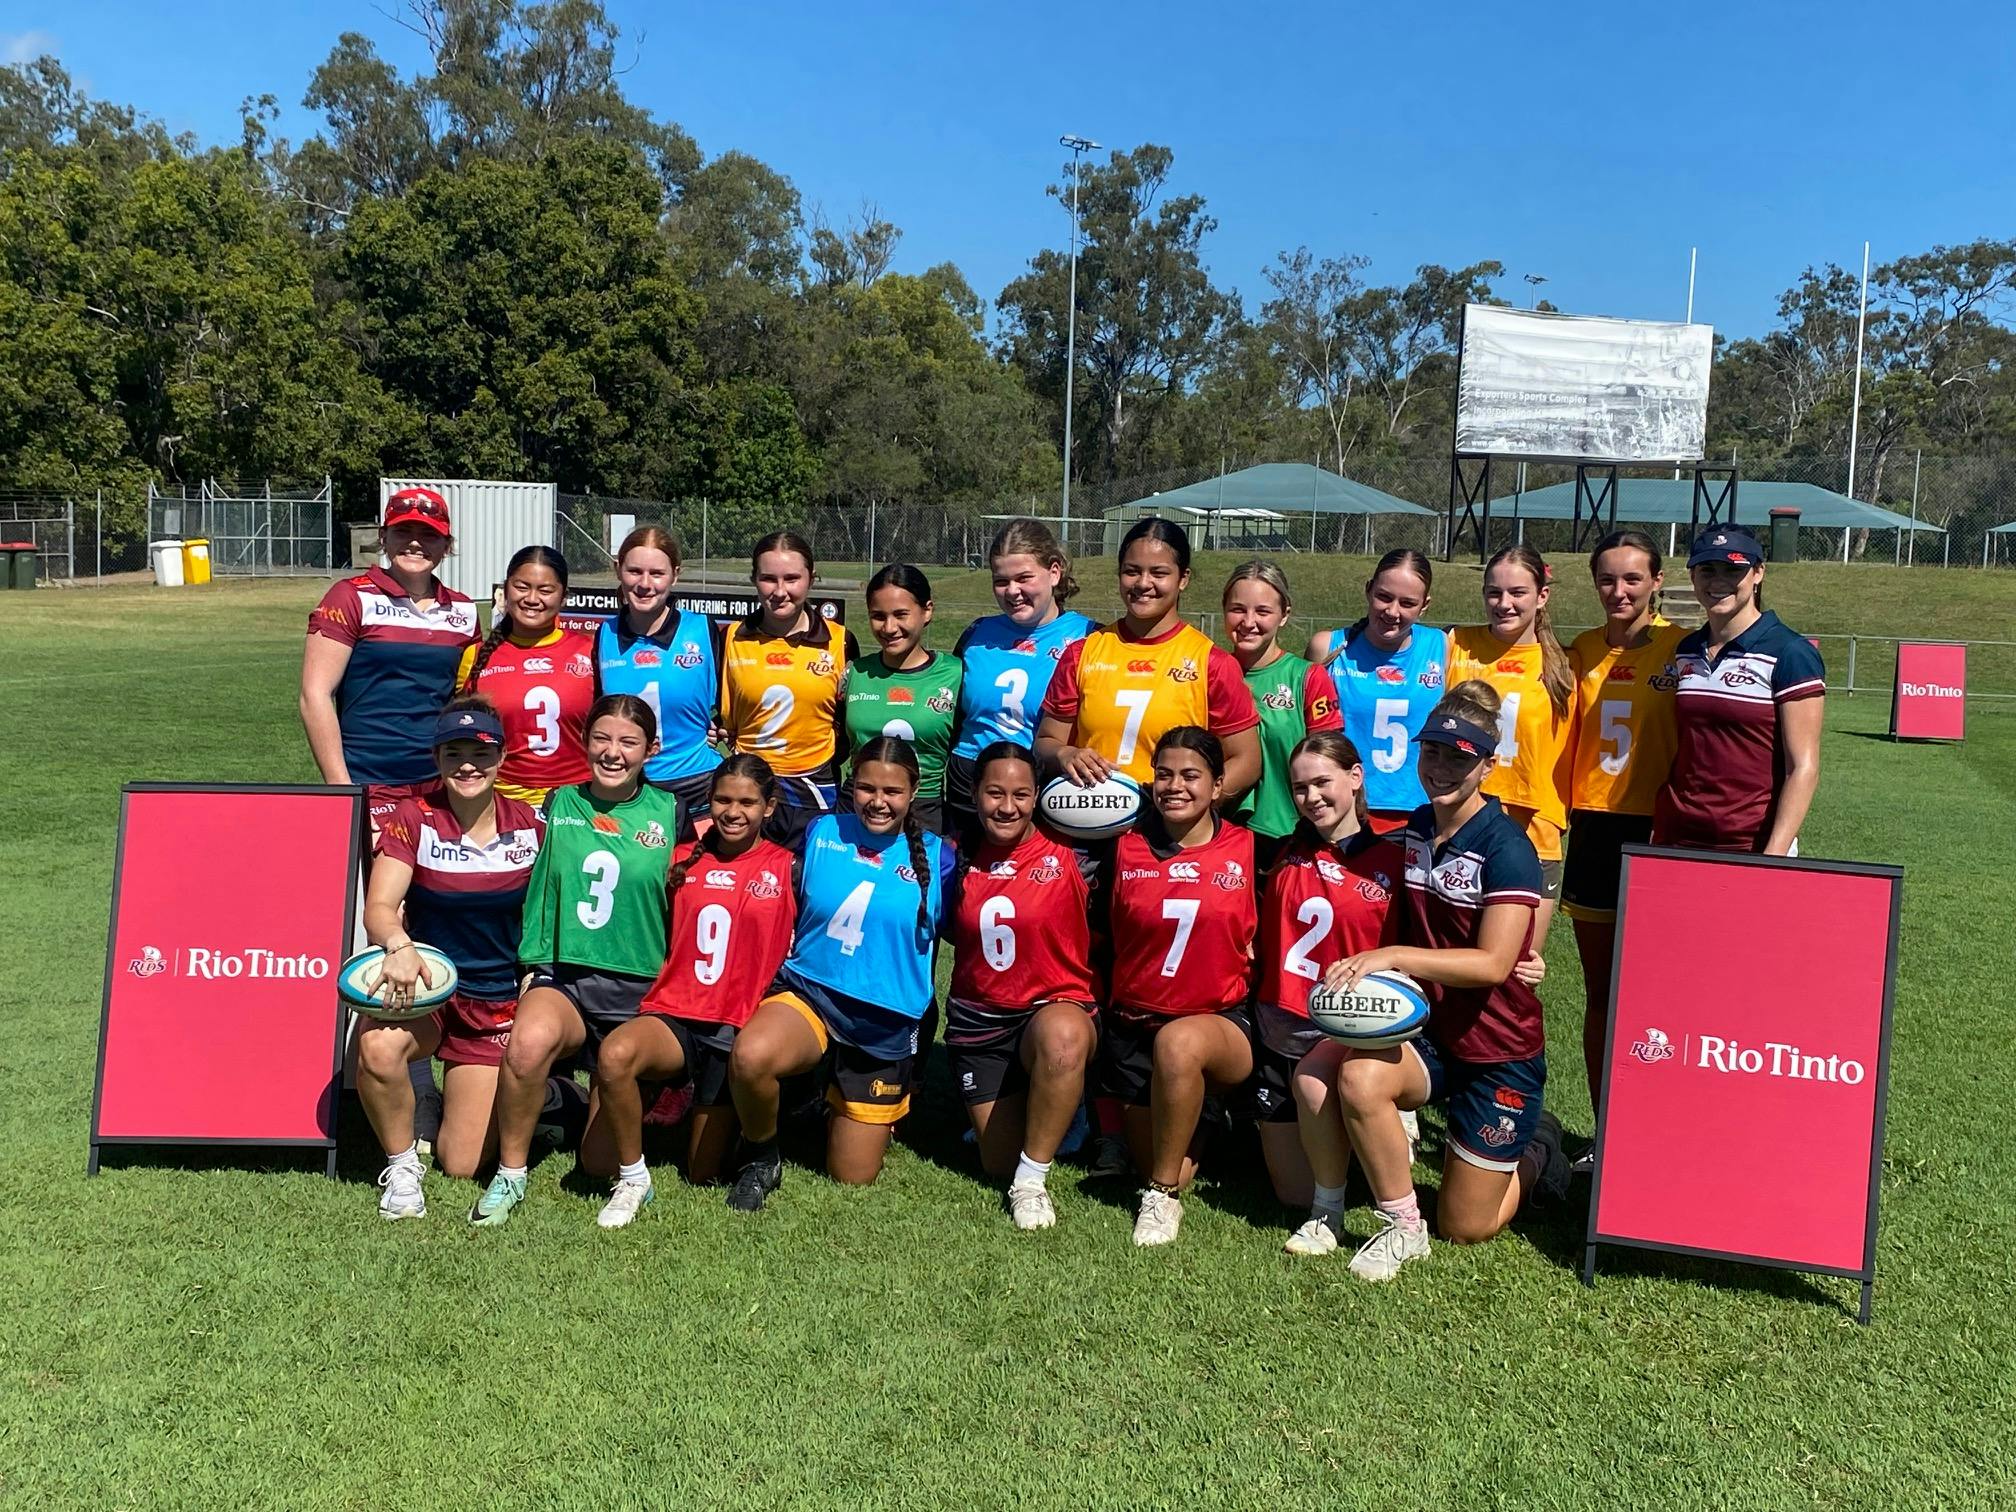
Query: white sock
x=513, y=1173
x=636, y=1171
x=410, y=1156
x=1031, y=1173
x=1329, y=1202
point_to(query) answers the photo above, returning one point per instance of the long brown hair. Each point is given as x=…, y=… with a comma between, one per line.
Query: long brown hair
x=657, y=538
x=783, y=540
x=1556, y=675
x=1400, y=556
x=1027, y=537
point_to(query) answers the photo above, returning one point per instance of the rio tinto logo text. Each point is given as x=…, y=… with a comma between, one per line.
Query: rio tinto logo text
x=209, y=964
x=1734, y=1058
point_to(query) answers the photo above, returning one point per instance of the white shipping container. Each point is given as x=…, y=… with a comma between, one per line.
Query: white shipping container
x=491, y=520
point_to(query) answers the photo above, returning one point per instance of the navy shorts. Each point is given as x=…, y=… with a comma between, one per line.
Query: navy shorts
x=870, y=1055
x=1492, y=1108
x=691, y=791
x=800, y=800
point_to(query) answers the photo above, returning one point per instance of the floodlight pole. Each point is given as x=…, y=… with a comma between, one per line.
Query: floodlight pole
x=1079, y=147
x=1855, y=411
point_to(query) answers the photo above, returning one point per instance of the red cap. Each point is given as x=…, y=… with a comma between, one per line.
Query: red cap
x=418, y=506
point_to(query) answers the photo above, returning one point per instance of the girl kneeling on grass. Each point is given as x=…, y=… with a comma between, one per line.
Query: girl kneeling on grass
x=1020, y=1022
x=855, y=994
x=1464, y=921
x=594, y=934
x=733, y=905
x=1326, y=899
x=1184, y=910
x=452, y=869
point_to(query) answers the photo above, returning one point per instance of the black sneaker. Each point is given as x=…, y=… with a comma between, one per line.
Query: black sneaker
x=753, y=1185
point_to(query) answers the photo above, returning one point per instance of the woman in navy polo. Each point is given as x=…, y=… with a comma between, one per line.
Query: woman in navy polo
x=383, y=651
x=1749, y=707
x=1462, y=924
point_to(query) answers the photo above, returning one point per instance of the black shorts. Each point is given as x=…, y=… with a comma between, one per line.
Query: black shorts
x=692, y=795
x=705, y=1046
x=868, y=1086
x=1125, y=1065
x=1595, y=862
x=1280, y=1040
x=985, y=1047
x=606, y=1000
x=1267, y=850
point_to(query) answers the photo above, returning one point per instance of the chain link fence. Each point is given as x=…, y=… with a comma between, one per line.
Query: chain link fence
x=261, y=529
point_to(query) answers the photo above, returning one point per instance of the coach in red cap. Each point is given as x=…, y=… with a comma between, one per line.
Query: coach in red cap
x=1749, y=709
x=383, y=649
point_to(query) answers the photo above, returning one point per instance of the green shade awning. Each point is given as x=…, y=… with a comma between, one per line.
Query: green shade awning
x=1670, y=501
x=1295, y=488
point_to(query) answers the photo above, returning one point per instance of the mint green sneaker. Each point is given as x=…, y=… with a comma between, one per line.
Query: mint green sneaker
x=494, y=1206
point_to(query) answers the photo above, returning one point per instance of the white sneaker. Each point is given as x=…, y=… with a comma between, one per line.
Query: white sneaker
x=1159, y=1218
x=1411, y=1122
x=1380, y=1257
x=1031, y=1208
x=403, y=1197
x=624, y=1203
x=1316, y=1237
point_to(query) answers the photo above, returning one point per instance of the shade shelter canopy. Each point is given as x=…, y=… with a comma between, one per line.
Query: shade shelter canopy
x=1286, y=487
x=1670, y=501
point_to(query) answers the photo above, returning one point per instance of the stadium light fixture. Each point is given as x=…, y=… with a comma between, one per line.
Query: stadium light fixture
x=1078, y=146
x=1535, y=280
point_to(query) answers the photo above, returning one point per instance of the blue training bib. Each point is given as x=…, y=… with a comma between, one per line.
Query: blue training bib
x=677, y=674
x=1008, y=672
x=1386, y=698
x=857, y=915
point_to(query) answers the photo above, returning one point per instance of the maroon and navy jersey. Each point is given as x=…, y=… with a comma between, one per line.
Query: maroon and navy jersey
x=1183, y=922
x=1322, y=903
x=543, y=693
x=466, y=900
x=403, y=664
x=1730, y=763
x=1448, y=887
x=1020, y=926
x=729, y=931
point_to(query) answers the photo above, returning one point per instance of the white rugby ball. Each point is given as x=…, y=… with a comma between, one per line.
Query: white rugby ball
x=1098, y=812
x=1385, y=1008
x=358, y=984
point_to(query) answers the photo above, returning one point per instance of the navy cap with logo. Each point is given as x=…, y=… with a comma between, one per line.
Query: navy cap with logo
x=1726, y=543
x=468, y=724
x=1448, y=730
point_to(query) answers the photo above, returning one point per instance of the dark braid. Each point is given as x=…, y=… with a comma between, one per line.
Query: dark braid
x=501, y=626
x=742, y=764
x=897, y=752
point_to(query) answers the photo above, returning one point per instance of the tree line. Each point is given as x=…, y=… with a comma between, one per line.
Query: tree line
x=501, y=266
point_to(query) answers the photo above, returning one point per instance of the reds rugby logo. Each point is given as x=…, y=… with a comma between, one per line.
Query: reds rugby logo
x=1376, y=888
x=1505, y=1132
x=1654, y=1048
x=822, y=665
x=906, y=871
x=1046, y=870
x=578, y=665
x=940, y=702
x=652, y=836
x=1231, y=879
x=149, y=962
x=688, y=657
x=1431, y=675
x=1184, y=671
x=1282, y=697
x=765, y=886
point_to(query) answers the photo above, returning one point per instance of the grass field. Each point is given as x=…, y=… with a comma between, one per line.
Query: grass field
x=239, y=1332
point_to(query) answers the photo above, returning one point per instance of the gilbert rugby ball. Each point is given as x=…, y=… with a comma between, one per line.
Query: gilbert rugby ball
x=358, y=984
x=1098, y=812
x=1385, y=1008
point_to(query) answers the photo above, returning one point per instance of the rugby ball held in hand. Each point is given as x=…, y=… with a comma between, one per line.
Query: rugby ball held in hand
x=1098, y=812
x=1385, y=1008
x=359, y=984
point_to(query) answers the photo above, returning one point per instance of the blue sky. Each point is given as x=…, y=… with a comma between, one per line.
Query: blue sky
x=1591, y=144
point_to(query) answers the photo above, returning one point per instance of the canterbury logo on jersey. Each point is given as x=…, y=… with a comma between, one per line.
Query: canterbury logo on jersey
x=1184, y=871
x=536, y=664
x=638, y=659
x=1140, y=666
x=724, y=880
x=777, y=659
